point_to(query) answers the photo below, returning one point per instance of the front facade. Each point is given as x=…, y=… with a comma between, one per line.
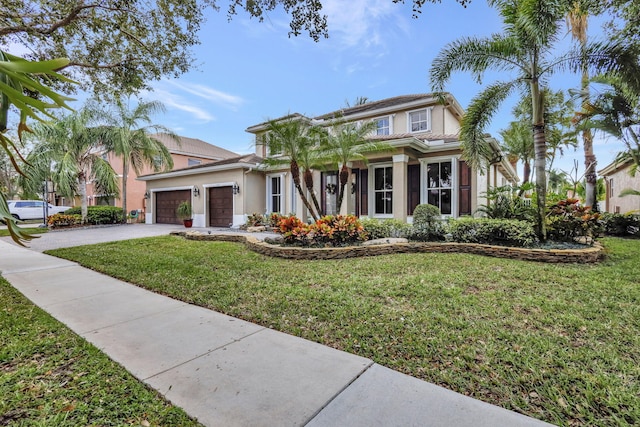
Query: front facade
x=423, y=165
x=617, y=177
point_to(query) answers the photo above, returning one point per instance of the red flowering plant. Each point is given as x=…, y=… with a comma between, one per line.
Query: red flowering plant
x=567, y=220
x=330, y=230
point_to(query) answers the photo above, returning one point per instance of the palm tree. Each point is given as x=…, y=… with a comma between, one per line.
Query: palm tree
x=346, y=143
x=518, y=144
x=531, y=31
x=69, y=149
x=127, y=135
x=577, y=20
x=291, y=140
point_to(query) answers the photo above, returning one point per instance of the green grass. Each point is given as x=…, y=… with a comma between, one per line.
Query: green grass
x=25, y=230
x=556, y=342
x=51, y=377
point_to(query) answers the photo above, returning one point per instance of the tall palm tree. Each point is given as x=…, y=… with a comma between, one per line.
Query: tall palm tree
x=126, y=133
x=69, y=150
x=577, y=20
x=346, y=143
x=290, y=139
x=531, y=29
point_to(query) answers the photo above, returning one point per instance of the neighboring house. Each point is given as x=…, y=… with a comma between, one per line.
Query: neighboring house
x=424, y=166
x=617, y=177
x=190, y=152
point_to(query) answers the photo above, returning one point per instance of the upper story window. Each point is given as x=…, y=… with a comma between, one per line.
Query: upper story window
x=158, y=163
x=193, y=162
x=383, y=126
x=419, y=120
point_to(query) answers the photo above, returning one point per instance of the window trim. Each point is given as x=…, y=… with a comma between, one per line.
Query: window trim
x=389, y=118
x=372, y=198
x=428, y=111
x=270, y=194
x=455, y=186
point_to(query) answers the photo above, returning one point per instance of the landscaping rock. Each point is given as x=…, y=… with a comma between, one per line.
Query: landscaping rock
x=385, y=241
x=257, y=229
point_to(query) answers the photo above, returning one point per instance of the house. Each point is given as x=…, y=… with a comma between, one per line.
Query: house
x=617, y=177
x=423, y=166
x=189, y=152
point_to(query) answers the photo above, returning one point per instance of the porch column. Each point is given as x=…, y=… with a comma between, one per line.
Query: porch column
x=400, y=186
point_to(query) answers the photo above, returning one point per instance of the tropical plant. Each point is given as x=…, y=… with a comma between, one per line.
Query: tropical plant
x=184, y=211
x=293, y=139
x=126, y=134
x=567, y=220
x=518, y=145
x=530, y=32
x=505, y=203
x=68, y=151
x=348, y=142
x=18, y=77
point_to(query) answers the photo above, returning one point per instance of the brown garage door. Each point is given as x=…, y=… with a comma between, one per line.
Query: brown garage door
x=166, y=204
x=220, y=206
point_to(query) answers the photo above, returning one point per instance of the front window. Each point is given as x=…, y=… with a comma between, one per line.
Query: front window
x=383, y=126
x=274, y=194
x=440, y=186
x=419, y=121
x=383, y=190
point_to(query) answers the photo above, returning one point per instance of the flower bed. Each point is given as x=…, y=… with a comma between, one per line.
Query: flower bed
x=588, y=254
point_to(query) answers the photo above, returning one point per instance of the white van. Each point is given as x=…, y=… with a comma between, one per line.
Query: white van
x=32, y=209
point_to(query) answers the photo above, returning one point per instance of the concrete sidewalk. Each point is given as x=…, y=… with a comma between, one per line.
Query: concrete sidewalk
x=228, y=372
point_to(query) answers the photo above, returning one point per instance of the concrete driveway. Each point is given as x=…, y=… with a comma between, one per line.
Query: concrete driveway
x=87, y=236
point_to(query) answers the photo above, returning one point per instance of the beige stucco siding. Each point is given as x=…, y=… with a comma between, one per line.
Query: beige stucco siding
x=254, y=192
x=618, y=181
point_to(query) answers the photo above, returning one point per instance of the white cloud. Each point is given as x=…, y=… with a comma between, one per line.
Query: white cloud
x=363, y=23
x=177, y=102
x=218, y=97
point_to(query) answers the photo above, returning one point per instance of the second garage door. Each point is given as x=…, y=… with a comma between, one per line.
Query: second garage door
x=166, y=204
x=220, y=206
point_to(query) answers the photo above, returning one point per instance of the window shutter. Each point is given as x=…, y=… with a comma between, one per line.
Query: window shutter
x=464, y=190
x=413, y=188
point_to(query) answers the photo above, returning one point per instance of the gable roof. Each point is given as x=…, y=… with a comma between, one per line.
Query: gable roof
x=242, y=161
x=193, y=147
x=378, y=105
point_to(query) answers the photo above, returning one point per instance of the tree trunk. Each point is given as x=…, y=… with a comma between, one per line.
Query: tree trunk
x=295, y=175
x=308, y=182
x=125, y=172
x=526, y=176
x=82, y=183
x=344, y=179
x=540, y=150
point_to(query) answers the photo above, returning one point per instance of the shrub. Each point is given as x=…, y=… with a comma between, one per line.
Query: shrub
x=566, y=220
x=380, y=229
x=505, y=232
x=63, y=220
x=99, y=214
x=255, y=220
x=427, y=224
x=620, y=224
x=504, y=203
x=274, y=219
x=330, y=230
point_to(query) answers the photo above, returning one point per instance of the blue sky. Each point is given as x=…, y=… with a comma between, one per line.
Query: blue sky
x=247, y=72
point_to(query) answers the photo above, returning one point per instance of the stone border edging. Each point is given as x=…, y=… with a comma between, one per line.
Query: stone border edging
x=590, y=254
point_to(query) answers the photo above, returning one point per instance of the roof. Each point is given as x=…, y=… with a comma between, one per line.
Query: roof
x=378, y=105
x=194, y=147
x=425, y=136
x=614, y=167
x=246, y=160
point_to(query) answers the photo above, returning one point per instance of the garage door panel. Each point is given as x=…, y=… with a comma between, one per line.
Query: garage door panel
x=220, y=206
x=166, y=204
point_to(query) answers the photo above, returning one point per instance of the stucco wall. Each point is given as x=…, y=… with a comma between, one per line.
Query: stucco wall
x=618, y=181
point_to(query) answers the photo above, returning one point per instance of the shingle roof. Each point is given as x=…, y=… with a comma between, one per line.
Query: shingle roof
x=245, y=158
x=427, y=136
x=376, y=105
x=194, y=147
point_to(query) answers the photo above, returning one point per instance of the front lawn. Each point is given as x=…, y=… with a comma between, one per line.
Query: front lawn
x=556, y=342
x=4, y=232
x=49, y=376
